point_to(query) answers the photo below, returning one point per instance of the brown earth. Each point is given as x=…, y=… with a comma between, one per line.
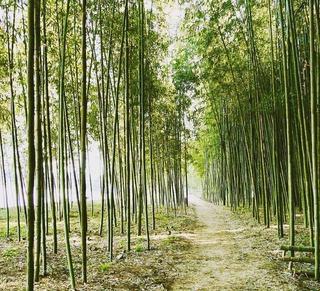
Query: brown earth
x=209, y=248
x=233, y=252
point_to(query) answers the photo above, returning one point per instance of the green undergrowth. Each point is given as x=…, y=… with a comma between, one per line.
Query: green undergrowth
x=106, y=267
x=9, y=253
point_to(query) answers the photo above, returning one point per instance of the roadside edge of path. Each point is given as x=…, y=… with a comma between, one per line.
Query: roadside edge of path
x=254, y=242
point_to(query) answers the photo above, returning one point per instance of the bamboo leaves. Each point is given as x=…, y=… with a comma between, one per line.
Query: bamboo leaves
x=97, y=77
x=265, y=150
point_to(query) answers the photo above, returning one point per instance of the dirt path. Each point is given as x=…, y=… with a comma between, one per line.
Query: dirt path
x=214, y=250
x=233, y=254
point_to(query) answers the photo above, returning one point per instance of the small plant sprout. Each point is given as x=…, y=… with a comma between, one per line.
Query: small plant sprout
x=106, y=267
x=139, y=248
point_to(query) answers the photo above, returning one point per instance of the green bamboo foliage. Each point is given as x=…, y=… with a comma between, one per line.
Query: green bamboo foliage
x=96, y=75
x=257, y=142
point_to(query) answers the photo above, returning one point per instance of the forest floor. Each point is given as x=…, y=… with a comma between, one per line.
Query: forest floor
x=233, y=252
x=209, y=248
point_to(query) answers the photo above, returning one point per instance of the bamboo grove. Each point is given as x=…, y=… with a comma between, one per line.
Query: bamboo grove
x=76, y=76
x=255, y=65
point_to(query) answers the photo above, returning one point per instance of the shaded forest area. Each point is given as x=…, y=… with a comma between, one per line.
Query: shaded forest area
x=231, y=87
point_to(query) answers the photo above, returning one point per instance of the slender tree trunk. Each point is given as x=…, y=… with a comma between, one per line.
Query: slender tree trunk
x=314, y=140
x=127, y=129
x=83, y=135
x=288, y=133
x=4, y=176
x=143, y=180
x=31, y=148
x=49, y=147
x=39, y=158
x=115, y=126
x=10, y=50
x=62, y=146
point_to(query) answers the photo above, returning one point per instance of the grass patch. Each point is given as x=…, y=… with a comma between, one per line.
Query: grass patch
x=106, y=267
x=10, y=253
x=139, y=248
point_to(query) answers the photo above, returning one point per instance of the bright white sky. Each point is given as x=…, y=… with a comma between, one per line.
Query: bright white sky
x=174, y=15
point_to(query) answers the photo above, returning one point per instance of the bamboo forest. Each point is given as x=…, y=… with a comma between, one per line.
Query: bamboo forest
x=159, y=145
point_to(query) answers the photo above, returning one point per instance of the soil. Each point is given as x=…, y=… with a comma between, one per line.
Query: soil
x=209, y=248
x=233, y=252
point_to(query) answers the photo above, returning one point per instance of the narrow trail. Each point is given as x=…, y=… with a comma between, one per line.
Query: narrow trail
x=233, y=254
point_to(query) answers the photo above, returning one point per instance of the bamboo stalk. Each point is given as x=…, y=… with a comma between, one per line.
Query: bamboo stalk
x=297, y=248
